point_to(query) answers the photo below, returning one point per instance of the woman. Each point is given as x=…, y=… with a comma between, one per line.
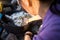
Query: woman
x=49, y=10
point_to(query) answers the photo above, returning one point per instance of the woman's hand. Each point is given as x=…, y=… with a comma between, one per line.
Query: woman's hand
x=28, y=36
x=31, y=6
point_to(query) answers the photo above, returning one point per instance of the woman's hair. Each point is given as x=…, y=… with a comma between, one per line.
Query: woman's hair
x=45, y=0
x=53, y=7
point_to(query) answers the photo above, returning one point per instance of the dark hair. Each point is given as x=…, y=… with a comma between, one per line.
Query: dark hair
x=53, y=6
x=45, y=0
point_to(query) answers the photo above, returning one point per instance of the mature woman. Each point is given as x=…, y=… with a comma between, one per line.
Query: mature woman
x=49, y=10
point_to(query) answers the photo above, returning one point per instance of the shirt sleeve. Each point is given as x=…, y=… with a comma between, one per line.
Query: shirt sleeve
x=51, y=32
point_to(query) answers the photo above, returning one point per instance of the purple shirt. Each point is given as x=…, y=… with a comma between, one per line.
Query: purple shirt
x=50, y=28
